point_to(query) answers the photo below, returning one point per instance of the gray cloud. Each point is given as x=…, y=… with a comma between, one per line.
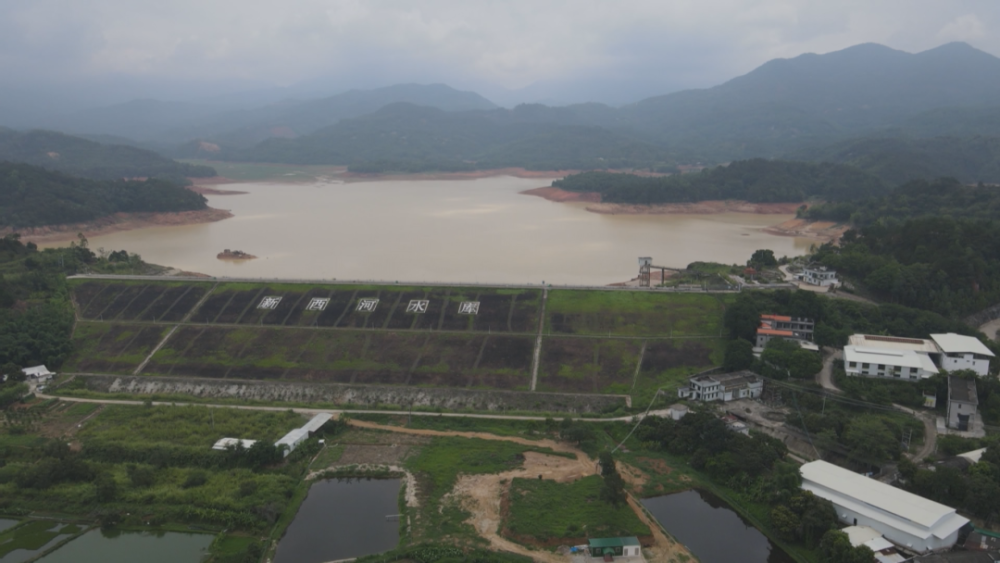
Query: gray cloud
x=509, y=43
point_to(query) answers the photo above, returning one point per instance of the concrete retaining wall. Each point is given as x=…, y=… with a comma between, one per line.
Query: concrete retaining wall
x=357, y=395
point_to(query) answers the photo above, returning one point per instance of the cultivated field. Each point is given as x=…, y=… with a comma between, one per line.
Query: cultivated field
x=620, y=342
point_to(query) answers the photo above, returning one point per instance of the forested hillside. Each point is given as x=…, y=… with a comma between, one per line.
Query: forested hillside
x=754, y=180
x=31, y=196
x=898, y=160
x=88, y=159
x=920, y=198
x=932, y=245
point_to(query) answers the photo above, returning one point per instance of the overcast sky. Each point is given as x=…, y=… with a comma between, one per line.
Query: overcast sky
x=338, y=44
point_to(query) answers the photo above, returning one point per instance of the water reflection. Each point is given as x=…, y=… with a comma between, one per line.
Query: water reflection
x=343, y=518
x=712, y=530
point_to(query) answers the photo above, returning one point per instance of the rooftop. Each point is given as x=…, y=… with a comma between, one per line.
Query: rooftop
x=893, y=343
x=226, y=443
x=613, y=542
x=317, y=421
x=903, y=358
x=871, y=493
x=952, y=343
x=963, y=390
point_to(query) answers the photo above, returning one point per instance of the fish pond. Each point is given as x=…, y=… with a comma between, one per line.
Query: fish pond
x=23, y=541
x=97, y=546
x=712, y=530
x=343, y=518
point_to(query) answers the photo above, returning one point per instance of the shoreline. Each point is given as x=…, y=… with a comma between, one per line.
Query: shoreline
x=822, y=231
x=707, y=207
x=117, y=223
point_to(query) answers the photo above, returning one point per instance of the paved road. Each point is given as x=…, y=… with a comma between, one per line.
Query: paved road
x=309, y=411
x=825, y=379
x=930, y=432
x=399, y=283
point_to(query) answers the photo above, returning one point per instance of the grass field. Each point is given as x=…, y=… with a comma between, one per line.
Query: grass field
x=437, y=467
x=592, y=341
x=544, y=510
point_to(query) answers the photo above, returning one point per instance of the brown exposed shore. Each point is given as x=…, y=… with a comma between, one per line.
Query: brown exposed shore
x=826, y=231
x=700, y=207
x=118, y=222
x=560, y=195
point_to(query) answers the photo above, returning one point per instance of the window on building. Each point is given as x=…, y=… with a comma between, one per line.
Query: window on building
x=864, y=366
x=854, y=364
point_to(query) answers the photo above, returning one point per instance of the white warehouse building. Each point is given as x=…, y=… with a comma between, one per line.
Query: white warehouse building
x=908, y=520
x=870, y=355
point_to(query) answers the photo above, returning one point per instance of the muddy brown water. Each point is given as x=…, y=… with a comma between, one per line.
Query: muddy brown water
x=479, y=230
x=713, y=532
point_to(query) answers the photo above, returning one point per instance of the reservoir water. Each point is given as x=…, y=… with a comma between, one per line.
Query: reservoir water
x=129, y=547
x=342, y=518
x=713, y=531
x=442, y=230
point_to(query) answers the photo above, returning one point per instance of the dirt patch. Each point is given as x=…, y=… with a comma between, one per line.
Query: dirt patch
x=657, y=465
x=483, y=495
x=205, y=190
x=118, y=222
x=696, y=208
x=827, y=231
x=556, y=194
x=373, y=455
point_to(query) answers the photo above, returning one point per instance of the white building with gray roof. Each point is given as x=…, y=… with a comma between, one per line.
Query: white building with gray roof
x=907, y=520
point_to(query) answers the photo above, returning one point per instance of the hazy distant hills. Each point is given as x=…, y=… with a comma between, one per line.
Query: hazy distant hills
x=815, y=98
x=892, y=113
x=177, y=122
x=88, y=159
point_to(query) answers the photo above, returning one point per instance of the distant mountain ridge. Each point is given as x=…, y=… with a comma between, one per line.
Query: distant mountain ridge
x=177, y=122
x=89, y=159
x=801, y=107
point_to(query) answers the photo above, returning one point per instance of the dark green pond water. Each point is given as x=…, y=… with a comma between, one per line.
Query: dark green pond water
x=342, y=518
x=712, y=530
x=132, y=547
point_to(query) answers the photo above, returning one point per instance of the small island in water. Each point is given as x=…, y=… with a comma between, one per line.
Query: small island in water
x=234, y=255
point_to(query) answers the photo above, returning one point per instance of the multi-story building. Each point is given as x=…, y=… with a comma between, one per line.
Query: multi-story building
x=781, y=326
x=723, y=387
x=914, y=358
x=819, y=275
x=962, y=403
x=957, y=352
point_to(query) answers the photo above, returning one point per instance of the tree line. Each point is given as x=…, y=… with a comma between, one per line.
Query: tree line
x=31, y=196
x=755, y=180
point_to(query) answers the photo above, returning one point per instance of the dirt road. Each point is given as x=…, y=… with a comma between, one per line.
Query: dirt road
x=482, y=495
x=825, y=375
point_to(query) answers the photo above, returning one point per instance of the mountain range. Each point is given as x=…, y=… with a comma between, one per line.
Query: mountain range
x=867, y=105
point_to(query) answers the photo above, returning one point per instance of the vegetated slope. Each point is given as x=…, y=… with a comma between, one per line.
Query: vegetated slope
x=816, y=98
x=405, y=137
x=31, y=196
x=899, y=160
x=931, y=245
x=80, y=157
x=920, y=198
x=755, y=180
